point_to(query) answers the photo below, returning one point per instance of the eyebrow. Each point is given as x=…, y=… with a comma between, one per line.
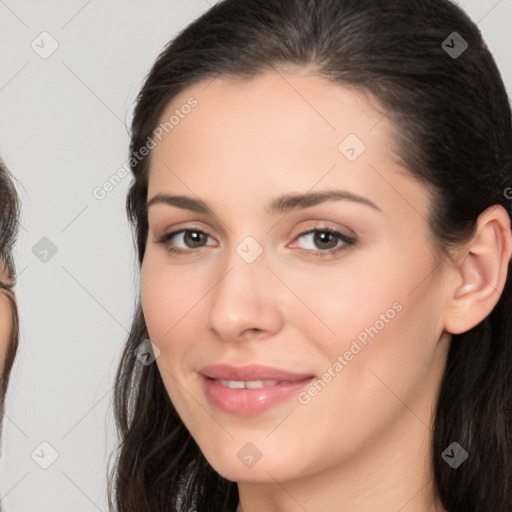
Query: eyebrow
x=283, y=204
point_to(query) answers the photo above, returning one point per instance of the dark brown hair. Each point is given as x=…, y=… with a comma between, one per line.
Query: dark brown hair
x=9, y=223
x=452, y=120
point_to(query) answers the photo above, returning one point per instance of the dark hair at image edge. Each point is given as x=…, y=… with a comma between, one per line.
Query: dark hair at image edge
x=453, y=132
x=9, y=223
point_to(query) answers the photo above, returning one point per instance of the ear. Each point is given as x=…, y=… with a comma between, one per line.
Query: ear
x=482, y=267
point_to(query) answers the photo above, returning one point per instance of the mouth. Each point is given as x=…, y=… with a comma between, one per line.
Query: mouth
x=251, y=373
x=251, y=384
x=250, y=390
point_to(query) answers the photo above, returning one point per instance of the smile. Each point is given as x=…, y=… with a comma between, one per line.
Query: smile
x=250, y=384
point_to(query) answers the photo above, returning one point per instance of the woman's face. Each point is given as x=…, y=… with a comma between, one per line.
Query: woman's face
x=6, y=322
x=353, y=335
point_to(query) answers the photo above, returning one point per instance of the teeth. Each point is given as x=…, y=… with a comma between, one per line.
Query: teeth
x=254, y=384
x=249, y=384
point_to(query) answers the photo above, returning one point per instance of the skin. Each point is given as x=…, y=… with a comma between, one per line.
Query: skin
x=362, y=443
x=6, y=324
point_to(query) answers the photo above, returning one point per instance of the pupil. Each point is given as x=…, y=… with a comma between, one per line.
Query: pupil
x=194, y=236
x=323, y=237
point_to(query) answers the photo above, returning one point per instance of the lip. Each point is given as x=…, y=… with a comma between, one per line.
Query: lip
x=250, y=402
x=250, y=372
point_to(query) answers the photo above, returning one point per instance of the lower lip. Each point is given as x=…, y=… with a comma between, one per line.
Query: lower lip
x=250, y=402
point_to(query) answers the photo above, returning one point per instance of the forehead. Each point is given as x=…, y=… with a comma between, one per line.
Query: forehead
x=287, y=130
x=273, y=108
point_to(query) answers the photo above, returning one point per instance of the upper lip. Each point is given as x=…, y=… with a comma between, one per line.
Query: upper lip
x=250, y=372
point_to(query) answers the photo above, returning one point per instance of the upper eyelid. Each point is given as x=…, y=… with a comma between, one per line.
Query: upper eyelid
x=176, y=232
x=313, y=227
x=206, y=225
x=183, y=226
x=180, y=229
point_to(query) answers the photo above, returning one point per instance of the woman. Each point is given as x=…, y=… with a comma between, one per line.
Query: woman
x=9, y=332
x=325, y=246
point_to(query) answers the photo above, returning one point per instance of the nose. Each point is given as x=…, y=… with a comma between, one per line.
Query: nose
x=244, y=302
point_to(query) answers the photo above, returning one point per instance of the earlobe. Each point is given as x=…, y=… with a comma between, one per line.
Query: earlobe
x=483, y=270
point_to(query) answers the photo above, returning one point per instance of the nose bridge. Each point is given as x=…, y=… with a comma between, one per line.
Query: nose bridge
x=243, y=298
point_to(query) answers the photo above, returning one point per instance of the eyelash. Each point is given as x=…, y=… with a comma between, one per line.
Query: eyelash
x=347, y=242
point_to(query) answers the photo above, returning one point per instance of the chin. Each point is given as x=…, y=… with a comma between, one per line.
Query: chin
x=243, y=464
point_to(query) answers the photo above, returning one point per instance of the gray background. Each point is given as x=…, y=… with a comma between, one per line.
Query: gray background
x=64, y=132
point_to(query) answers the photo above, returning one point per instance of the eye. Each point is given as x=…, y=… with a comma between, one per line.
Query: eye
x=329, y=241
x=192, y=238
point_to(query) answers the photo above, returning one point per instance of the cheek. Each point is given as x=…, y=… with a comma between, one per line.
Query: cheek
x=345, y=299
x=166, y=300
x=387, y=335
x=384, y=307
x=153, y=296
x=172, y=301
x=166, y=297
x=6, y=325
